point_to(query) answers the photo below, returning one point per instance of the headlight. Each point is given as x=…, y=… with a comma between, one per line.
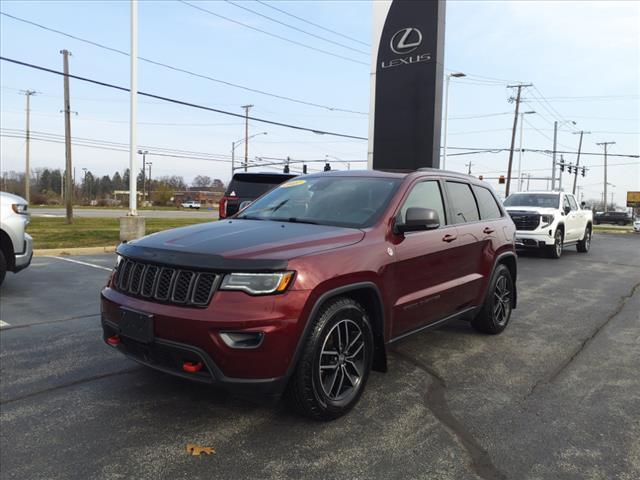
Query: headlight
x=20, y=208
x=546, y=220
x=257, y=283
x=118, y=261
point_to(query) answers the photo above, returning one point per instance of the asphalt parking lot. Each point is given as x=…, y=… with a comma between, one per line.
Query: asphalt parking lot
x=556, y=396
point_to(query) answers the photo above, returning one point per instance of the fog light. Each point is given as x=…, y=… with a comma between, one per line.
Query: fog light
x=192, y=367
x=242, y=339
x=114, y=340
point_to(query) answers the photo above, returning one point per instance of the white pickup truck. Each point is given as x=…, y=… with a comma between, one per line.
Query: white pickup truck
x=191, y=204
x=549, y=221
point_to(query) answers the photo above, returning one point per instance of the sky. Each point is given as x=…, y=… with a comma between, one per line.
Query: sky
x=583, y=58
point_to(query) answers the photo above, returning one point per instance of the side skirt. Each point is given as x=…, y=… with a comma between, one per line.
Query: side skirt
x=456, y=316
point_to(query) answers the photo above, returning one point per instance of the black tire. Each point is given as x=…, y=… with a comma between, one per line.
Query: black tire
x=584, y=244
x=495, y=313
x=3, y=266
x=307, y=389
x=555, y=250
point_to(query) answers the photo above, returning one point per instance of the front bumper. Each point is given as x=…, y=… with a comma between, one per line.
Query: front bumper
x=188, y=334
x=23, y=260
x=534, y=239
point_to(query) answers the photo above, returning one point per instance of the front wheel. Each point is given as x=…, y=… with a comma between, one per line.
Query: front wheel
x=335, y=363
x=555, y=250
x=584, y=244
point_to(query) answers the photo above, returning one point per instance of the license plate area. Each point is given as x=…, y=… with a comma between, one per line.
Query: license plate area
x=137, y=326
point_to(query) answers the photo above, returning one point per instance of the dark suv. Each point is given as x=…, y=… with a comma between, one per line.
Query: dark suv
x=246, y=187
x=618, y=218
x=303, y=290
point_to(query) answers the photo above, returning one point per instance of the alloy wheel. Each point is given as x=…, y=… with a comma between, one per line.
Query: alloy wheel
x=502, y=301
x=342, y=360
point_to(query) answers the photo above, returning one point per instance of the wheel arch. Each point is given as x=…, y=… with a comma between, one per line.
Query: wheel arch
x=509, y=260
x=366, y=293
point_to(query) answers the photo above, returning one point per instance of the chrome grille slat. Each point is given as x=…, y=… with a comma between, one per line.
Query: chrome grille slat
x=165, y=284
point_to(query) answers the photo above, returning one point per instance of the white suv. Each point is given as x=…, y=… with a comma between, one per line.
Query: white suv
x=549, y=221
x=16, y=246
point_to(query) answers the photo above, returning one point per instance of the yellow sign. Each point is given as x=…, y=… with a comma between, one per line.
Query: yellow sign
x=294, y=183
x=633, y=199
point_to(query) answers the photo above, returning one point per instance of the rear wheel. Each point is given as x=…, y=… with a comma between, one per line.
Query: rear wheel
x=3, y=266
x=584, y=244
x=334, y=367
x=555, y=250
x=496, y=310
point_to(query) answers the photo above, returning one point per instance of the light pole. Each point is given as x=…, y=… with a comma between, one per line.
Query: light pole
x=84, y=180
x=446, y=115
x=555, y=147
x=520, y=149
x=144, y=169
x=605, y=145
x=150, y=184
x=237, y=143
x=575, y=177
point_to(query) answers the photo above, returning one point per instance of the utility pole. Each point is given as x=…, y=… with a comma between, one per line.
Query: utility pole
x=605, y=145
x=469, y=167
x=612, y=201
x=150, y=184
x=133, y=110
x=520, y=149
x=27, y=171
x=513, y=133
x=246, y=135
x=553, y=165
x=67, y=138
x=575, y=179
x=561, y=172
x=233, y=157
x=144, y=172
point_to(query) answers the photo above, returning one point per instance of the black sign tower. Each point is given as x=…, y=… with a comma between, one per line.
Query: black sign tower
x=406, y=84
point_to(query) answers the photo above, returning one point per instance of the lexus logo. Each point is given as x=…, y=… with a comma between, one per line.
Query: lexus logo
x=406, y=41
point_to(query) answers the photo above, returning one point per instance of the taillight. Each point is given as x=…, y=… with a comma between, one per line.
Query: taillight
x=222, y=208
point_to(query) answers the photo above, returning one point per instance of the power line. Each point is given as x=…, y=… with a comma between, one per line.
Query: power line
x=185, y=71
x=181, y=102
x=295, y=42
x=296, y=28
x=312, y=23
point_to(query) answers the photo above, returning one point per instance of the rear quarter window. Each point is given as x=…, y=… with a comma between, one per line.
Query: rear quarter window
x=487, y=203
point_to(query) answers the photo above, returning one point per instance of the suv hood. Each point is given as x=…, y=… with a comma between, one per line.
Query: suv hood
x=540, y=210
x=241, y=244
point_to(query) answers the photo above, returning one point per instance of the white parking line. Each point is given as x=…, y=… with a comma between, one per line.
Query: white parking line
x=4, y=324
x=82, y=263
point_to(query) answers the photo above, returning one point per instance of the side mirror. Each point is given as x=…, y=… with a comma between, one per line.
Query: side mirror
x=417, y=219
x=567, y=210
x=583, y=204
x=245, y=204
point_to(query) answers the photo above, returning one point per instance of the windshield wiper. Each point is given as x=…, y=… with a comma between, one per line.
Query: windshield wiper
x=295, y=220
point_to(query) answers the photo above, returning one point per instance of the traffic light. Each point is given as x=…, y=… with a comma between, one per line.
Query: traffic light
x=583, y=171
x=562, y=167
x=286, y=169
x=481, y=177
x=501, y=179
x=304, y=169
x=327, y=167
x=570, y=167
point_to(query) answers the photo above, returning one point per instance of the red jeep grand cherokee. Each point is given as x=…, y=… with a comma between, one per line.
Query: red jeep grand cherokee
x=302, y=291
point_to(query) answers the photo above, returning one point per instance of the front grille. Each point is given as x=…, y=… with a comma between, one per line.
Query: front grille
x=165, y=284
x=525, y=221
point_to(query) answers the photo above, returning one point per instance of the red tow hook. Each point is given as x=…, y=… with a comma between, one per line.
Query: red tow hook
x=114, y=340
x=192, y=367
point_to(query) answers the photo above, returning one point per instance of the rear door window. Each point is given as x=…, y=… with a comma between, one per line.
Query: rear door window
x=425, y=195
x=463, y=203
x=487, y=203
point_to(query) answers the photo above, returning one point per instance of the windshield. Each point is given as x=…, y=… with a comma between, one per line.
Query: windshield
x=541, y=200
x=340, y=201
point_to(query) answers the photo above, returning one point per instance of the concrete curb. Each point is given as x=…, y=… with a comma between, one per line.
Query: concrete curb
x=56, y=252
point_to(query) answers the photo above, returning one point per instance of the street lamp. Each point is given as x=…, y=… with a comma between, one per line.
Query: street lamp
x=520, y=149
x=446, y=115
x=144, y=169
x=238, y=143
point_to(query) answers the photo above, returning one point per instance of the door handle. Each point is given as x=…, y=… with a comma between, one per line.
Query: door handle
x=487, y=230
x=449, y=238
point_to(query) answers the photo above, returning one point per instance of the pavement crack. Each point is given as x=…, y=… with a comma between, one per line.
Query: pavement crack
x=72, y=384
x=435, y=400
x=48, y=322
x=584, y=344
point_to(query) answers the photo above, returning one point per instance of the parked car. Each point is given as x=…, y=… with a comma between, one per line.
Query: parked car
x=303, y=290
x=550, y=221
x=617, y=218
x=191, y=204
x=246, y=187
x=636, y=225
x=16, y=246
